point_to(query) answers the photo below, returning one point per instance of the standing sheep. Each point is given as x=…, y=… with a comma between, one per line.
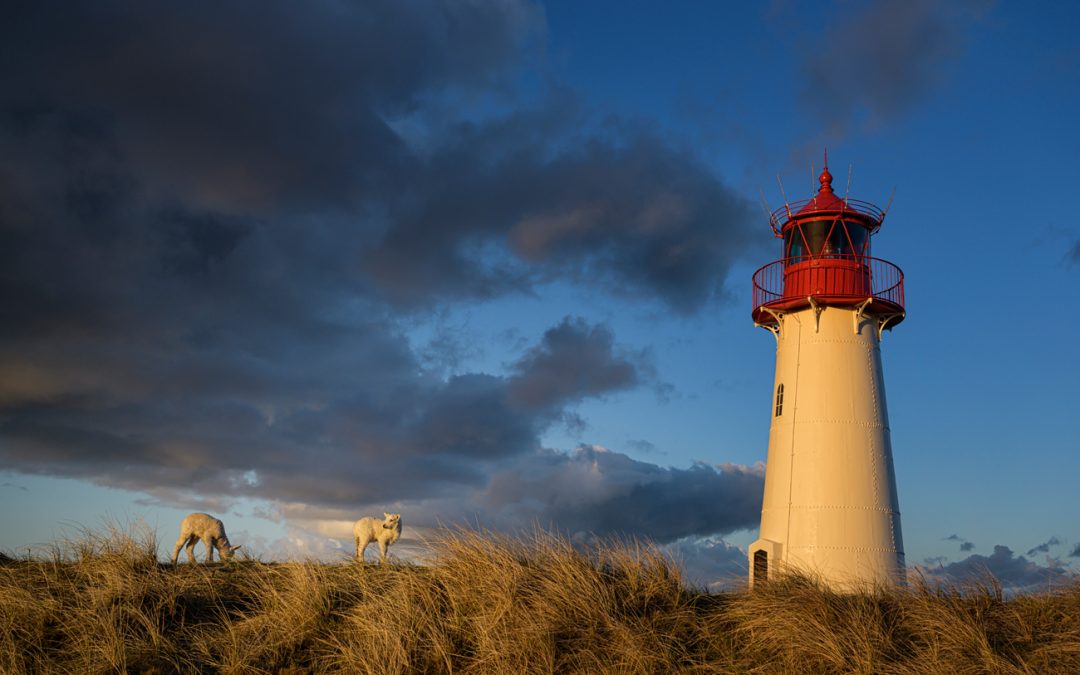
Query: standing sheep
x=201, y=526
x=386, y=532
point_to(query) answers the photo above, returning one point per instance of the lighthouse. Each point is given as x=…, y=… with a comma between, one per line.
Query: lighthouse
x=830, y=506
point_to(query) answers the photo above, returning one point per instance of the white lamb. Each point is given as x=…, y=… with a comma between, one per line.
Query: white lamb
x=201, y=526
x=386, y=532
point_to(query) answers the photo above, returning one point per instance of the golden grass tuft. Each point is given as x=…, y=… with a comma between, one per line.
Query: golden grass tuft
x=490, y=603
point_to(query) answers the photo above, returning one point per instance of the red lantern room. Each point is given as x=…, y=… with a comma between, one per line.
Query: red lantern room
x=825, y=261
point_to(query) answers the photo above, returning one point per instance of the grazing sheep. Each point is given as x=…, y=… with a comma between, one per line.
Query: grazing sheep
x=201, y=526
x=386, y=532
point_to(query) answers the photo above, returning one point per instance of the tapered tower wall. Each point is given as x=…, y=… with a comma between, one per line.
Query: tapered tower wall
x=830, y=505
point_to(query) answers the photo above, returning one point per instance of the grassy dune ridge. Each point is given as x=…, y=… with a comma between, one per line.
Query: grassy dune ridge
x=495, y=604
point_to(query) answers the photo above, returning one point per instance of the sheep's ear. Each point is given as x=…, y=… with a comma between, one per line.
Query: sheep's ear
x=385, y=514
x=235, y=548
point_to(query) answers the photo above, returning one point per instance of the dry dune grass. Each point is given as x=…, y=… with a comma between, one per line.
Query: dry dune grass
x=493, y=604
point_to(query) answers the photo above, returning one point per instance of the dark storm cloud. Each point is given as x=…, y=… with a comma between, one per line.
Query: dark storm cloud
x=595, y=491
x=573, y=361
x=310, y=435
x=626, y=212
x=220, y=113
x=259, y=104
x=881, y=58
x=1016, y=573
x=1045, y=546
x=213, y=216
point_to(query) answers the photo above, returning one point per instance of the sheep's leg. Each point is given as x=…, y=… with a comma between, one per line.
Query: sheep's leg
x=361, y=546
x=192, y=540
x=210, y=544
x=179, y=545
x=382, y=552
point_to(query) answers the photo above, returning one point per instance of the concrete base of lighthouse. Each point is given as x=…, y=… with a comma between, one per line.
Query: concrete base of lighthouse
x=830, y=506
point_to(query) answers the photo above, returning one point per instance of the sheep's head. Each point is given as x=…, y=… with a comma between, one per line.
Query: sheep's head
x=391, y=520
x=228, y=552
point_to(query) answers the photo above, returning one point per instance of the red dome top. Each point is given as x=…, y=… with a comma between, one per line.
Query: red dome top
x=825, y=199
x=827, y=204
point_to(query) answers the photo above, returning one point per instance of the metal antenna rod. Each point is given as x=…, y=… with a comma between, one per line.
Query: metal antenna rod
x=887, y=206
x=784, y=195
x=850, y=170
x=764, y=203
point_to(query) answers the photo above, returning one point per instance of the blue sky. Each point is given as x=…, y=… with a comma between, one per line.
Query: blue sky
x=490, y=263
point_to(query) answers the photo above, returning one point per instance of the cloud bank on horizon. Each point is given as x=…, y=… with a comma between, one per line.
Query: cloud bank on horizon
x=213, y=221
x=1015, y=573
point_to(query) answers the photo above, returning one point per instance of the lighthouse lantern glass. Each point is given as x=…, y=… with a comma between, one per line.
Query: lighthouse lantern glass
x=838, y=243
x=860, y=238
x=827, y=238
x=816, y=233
x=794, y=247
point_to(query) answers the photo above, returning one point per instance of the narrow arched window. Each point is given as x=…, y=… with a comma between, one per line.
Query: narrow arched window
x=779, y=399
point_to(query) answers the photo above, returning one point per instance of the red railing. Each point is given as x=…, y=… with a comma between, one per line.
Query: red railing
x=837, y=278
x=865, y=209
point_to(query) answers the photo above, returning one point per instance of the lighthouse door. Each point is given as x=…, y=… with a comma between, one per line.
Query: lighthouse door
x=761, y=566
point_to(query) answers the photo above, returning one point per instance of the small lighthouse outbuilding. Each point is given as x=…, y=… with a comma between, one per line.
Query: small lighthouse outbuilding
x=830, y=506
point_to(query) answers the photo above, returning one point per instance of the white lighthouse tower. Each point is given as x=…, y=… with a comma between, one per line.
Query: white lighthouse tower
x=830, y=507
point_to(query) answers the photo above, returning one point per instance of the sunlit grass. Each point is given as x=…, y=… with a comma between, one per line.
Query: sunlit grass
x=102, y=602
